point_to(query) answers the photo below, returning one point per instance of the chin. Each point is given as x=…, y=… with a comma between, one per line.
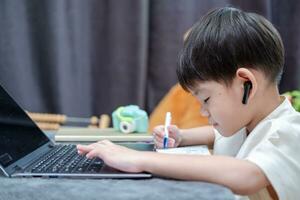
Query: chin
x=224, y=133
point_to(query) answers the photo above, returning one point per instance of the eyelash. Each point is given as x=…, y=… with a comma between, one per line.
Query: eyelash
x=205, y=100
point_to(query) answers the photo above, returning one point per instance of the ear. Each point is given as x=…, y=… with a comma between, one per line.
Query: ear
x=243, y=75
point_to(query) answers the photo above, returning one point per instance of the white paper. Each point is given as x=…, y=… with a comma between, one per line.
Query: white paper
x=197, y=150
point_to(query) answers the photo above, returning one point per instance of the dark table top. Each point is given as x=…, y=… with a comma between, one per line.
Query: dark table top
x=75, y=189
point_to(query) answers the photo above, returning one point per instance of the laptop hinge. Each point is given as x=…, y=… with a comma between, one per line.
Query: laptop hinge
x=17, y=168
x=24, y=162
x=51, y=145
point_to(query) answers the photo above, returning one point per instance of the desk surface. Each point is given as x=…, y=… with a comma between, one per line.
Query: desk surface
x=75, y=189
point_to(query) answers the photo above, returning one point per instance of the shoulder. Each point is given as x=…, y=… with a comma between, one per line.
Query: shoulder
x=285, y=127
x=277, y=153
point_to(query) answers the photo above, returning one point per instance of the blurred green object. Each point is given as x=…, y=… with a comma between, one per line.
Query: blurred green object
x=129, y=119
x=295, y=99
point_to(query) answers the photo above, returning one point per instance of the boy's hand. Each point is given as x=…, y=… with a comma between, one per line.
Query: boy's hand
x=174, y=136
x=115, y=156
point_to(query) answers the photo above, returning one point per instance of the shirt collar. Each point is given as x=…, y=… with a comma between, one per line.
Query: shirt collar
x=284, y=107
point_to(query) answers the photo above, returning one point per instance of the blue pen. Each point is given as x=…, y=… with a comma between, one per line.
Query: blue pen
x=166, y=132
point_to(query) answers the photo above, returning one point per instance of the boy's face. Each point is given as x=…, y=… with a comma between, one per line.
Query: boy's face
x=223, y=105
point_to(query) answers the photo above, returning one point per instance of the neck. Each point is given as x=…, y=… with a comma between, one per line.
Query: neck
x=267, y=101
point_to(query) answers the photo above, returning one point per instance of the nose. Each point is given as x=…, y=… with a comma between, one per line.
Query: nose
x=204, y=112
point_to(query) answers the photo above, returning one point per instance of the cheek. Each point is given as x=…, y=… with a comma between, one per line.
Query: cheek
x=229, y=119
x=223, y=116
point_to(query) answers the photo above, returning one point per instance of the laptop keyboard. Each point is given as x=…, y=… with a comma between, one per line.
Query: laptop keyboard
x=65, y=159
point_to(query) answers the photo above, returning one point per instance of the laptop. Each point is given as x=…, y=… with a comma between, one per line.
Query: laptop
x=25, y=151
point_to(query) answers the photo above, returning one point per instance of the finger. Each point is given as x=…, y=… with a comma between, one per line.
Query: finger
x=173, y=129
x=84, y=148
x=159, y=130
x=171, y=142
x=92, y=154
x=92, y=145
x=106, y=142
x=80, y=152
x=158, y=140
x=159, y=134
x=158, y=145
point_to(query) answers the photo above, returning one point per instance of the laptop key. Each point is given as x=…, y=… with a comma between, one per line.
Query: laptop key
x=66, y=160
x=95, y=166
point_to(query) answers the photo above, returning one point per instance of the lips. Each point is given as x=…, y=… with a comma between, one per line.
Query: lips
x=213, y=123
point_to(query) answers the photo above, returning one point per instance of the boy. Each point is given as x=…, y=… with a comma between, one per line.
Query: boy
x=232, y=62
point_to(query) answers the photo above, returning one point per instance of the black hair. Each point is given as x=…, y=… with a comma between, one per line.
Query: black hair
x=226, y=39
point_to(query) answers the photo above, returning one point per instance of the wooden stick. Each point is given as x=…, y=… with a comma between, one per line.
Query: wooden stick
x=48, y=126
x=104, y=121
x=46, y=117
x=61, y=119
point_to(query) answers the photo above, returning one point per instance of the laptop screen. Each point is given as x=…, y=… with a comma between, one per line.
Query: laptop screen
x=19, y=135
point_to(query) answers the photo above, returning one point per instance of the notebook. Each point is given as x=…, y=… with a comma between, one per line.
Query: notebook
x=196, y=150
x=75, y=134
x=25, y=151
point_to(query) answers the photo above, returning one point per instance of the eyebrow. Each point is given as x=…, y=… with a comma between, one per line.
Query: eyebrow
x=201, y=89
x=198, y=90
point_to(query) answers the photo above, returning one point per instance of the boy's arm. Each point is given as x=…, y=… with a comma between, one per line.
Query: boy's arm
x=241, y=176
x=195, y=136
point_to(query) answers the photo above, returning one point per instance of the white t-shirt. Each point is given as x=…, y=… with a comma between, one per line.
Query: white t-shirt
x=274, y=146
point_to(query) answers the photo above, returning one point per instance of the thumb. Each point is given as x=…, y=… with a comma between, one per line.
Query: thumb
x=171, y=142
x=173, y=130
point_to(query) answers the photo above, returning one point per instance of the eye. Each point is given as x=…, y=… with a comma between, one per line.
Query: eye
x=195, y=93
x=206, y=100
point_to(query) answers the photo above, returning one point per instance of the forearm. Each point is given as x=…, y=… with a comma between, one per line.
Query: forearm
x=222, y=170
x=195, y=136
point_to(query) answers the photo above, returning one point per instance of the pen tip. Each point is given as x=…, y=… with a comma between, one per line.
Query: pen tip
x=168, y=114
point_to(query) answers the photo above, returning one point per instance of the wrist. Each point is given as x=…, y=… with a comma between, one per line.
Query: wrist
x=180, y=138
x=143, y=162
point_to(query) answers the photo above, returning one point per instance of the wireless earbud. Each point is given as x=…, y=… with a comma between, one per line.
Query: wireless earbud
x=247, y=88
